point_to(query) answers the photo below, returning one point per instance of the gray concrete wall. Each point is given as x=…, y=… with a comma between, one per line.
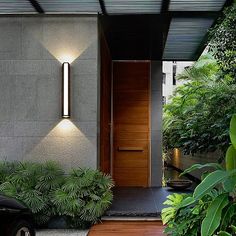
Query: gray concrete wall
x=31, y=52
x=182, y=162
x=156, y=123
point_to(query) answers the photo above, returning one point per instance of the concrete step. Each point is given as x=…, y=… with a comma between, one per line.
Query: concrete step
x=130, y=218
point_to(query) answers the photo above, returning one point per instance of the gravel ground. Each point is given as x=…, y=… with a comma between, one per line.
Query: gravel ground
x=60, y=232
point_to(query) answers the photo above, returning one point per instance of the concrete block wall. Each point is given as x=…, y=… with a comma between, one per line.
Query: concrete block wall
x=32, y=50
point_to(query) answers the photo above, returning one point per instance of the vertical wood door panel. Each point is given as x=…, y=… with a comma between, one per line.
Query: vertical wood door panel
x=105, y=109
x=131, y=123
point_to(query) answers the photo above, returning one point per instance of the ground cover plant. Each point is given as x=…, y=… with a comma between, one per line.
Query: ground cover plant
x=80, y=197
x=211, y=209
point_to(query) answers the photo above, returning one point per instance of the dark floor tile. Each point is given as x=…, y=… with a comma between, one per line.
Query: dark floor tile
x=139, y=201
x=133, y=201
x=160, y=194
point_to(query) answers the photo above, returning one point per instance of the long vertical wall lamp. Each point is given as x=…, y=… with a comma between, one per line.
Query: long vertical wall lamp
x=66, y=90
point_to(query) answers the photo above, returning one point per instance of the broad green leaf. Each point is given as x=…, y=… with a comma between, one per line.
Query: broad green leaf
x=209, y=183
x=186, y=202
x=229, y=214
x=200, y=166
x=230, y=183
x=212, y=220
x=232, y=132
x=174, y=199
x=167, y=214
x=224, y=233
x=230, y=158
x=233, y=228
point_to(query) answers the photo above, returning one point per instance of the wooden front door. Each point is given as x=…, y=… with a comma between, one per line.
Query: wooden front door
x=131, y=123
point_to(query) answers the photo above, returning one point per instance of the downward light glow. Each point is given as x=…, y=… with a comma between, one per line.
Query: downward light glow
x=65, y=90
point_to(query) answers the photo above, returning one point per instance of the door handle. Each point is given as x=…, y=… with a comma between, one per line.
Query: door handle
x=131, y=149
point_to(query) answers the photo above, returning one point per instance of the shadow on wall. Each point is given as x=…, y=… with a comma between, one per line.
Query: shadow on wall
x=60, y=144
x=67, y=43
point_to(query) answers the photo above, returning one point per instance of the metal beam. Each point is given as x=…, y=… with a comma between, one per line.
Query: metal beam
x=36, y=6
x=103, y=8
x=165, y=6
x=166, y=21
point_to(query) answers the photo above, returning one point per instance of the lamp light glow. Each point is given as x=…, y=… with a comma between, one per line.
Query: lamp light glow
x=66, y=90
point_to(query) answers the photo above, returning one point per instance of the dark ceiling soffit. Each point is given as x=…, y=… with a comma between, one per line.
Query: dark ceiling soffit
x=194, y=14
x=133, y=37
x=36, y=6
x=206, y=38
x=103, y=8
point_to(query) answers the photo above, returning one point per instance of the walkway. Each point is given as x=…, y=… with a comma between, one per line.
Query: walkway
x=127, y=228
x=139, y=202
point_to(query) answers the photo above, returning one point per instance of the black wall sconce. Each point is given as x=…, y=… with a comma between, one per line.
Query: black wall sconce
x=66, y=90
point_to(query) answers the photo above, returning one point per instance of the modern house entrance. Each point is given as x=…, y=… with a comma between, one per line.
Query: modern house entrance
x=132, y=48
x=115, y=50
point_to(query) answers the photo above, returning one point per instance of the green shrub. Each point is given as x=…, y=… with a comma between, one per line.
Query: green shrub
x=211, y=209
x=81, y=197
x=197, y=117
x=84, y=196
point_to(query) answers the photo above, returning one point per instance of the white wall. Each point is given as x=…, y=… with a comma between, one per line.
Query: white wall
x=168, y=87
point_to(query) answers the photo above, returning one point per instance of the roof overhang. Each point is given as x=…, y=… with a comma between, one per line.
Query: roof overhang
x=139, y=29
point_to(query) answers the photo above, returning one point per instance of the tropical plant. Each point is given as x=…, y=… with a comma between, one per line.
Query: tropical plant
x=195, y=119
x=81, y=197
x=214, y=200
x=32, y=184
x=84, y=196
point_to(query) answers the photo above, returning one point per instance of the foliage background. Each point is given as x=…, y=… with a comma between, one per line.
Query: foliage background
x=223, y=41
x=197, y=118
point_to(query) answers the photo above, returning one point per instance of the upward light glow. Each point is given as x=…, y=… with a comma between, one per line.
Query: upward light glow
x=65, y=90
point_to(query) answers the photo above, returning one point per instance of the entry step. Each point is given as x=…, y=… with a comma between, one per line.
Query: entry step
x=130, y=218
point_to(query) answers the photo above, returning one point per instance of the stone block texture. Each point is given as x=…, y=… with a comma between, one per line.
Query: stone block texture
x=32, y=50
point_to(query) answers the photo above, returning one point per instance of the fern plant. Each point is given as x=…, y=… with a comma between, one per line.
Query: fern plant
x=81, y=197
x=33, y=184
x=84, y=196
